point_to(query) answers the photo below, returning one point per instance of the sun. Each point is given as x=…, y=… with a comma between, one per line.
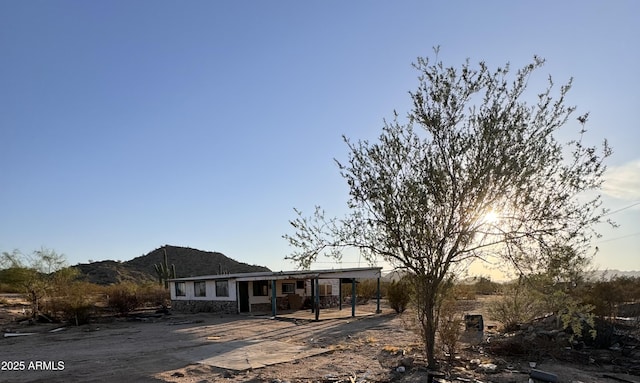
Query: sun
x=491, y=217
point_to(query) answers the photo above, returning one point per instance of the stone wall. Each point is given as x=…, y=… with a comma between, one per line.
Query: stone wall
x=329, y=301
x=226, y=307
x=261, y=307
x=283, y=303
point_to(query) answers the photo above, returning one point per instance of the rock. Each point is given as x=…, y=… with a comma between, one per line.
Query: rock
x=400, y=369
x=407, y=362
x=489, y=368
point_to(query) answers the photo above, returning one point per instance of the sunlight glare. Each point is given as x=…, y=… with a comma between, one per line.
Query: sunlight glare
x=491, y=217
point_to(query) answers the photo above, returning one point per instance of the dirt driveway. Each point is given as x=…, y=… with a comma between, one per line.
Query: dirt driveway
x=189, y=348
x=193, y=347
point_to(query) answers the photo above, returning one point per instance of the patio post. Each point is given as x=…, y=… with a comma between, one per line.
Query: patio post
x=378, y=311
x=353, y=297
x=273, y=298
x=313, y=295
x=317, y=299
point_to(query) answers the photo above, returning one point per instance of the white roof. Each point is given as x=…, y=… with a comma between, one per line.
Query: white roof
x=359, y=272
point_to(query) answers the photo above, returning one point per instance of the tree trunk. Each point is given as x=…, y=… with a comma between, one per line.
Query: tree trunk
x=430, y=336
x=429, y=327
x=426, y=299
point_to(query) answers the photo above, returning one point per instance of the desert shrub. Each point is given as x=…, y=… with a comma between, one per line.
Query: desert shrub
x=450, y=326
x=123, y=297
x=576, y=316
x=484, y=286
x=518, y=304
x=464, y=291
x=152, y=294
x=367, y=289
x=70, y=299
x=558, y=293
x=66, y=298
x=10, y=282
x=78, y=314
x=538, y=295
x=607, y=296
x=399, y=295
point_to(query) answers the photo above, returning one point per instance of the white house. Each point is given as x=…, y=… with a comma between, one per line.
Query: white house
x=266, y=291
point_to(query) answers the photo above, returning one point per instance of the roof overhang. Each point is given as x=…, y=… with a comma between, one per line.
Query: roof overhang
x=351, y=273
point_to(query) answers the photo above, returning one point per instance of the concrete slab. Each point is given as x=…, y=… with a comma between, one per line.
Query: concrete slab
x=325, y=314
x=247, y=354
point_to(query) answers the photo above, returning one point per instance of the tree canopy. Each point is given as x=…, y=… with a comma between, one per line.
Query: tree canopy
x=474, y=170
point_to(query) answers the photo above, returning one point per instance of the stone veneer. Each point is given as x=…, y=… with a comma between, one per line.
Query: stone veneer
x=227, y=307
x=283, y=304
x=329, y=301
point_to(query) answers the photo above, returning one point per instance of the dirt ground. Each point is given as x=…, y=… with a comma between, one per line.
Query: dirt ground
x=163, y=348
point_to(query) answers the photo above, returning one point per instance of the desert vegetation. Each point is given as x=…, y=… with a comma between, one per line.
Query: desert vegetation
x=537, y=317
x=473, y=172
x=56, y=292
x=537, y=328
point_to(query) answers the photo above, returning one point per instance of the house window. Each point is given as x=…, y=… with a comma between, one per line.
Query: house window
x=288, y=288
x=300, y=285
x=200, y=288
x=325, y=290
x=260, y=288
x=222, y=288
x=180, y=289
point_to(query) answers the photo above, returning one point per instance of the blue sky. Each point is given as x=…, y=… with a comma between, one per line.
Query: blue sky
x=129, y=125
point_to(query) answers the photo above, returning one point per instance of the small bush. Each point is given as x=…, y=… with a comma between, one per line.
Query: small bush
x=367, y=289
x=78, y=306
x=69, y=299
x=450, y=327
x=77, y=312
x=123, y=297
x=516, y=306
x=153, y=295
x=465, y=292
x=608, y=296
x=399, y=295
x=484, y=286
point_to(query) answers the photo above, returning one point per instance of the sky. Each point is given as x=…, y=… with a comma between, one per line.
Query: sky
x=126, y=126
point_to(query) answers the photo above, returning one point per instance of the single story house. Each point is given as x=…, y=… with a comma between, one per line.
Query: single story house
x=268, y=291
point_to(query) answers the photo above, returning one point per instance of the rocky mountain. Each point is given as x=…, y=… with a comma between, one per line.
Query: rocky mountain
x=608, y=274
x=188, y=262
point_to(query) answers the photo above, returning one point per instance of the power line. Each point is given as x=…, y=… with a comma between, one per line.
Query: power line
x=624, y=236
x=622, y=209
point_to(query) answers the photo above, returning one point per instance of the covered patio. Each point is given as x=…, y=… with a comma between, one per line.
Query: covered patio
x=345, y=276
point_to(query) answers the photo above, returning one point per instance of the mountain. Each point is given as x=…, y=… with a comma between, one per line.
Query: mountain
x=109, y=272
x=608, y=274
x=188, y=262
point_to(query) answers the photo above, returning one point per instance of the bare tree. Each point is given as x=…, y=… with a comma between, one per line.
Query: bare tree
x=32, y=273
x=474, y=171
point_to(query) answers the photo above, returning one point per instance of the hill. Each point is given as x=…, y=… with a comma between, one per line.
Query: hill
x=608, y=274
x=189, y=262
x=108, y=272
